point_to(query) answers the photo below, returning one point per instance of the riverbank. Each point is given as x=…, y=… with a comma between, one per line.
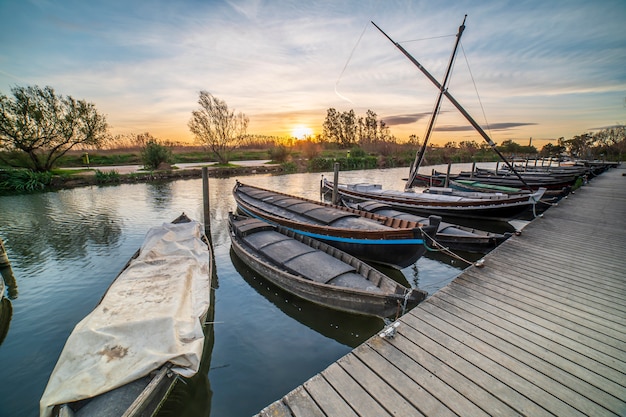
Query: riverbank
x=129, y=174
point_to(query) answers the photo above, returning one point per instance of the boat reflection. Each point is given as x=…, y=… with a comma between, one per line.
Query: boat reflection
x=348, y=329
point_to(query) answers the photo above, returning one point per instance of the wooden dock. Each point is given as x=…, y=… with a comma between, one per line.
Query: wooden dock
x=539, y=330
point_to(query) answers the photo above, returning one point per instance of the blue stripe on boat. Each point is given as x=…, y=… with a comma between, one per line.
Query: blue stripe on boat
x=342, y=239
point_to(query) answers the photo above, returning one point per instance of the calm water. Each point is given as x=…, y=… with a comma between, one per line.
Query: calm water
x=66, y=247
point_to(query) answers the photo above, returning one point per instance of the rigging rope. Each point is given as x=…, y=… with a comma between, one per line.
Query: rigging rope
x=346, y=65
x=482, y=108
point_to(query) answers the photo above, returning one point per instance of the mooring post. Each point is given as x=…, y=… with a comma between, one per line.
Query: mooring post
x=205, y=201
x=336, y=183
x=473, y=169
x=4, y=259
x=448, y=175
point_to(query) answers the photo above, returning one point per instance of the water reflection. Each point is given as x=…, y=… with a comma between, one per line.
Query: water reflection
x=347, y=329
x=160, y=194
x=61, y=225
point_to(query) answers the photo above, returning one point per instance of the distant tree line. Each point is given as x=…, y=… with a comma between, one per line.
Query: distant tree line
x=39, y=126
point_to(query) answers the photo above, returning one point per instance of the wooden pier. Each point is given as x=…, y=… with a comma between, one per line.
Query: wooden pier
x=539, y=330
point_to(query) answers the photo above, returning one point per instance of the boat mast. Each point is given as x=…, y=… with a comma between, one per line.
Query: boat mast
x=456, y=104
x=444, y=86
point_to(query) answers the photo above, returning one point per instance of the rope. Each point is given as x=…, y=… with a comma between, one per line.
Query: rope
x=346, y=65
x=482, y=108
x=447, y=251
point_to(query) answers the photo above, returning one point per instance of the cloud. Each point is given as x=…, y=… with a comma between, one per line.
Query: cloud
x=494, y=126
x=404, y=119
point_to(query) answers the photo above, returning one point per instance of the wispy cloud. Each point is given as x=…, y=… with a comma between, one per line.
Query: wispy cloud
x=558, y=66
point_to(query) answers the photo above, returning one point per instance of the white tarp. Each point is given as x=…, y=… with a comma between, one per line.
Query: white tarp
x=149, y=316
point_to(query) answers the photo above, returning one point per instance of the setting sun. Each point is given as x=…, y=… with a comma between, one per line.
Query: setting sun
x=301, y=132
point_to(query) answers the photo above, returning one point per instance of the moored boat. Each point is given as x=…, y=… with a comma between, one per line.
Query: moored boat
x=497, y=206
x=371, y=237
x=126, y=355
x=451, y=236
x=318, y=272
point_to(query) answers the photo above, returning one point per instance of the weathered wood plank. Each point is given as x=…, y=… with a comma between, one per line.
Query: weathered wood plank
x=570, y=389
x=301, y=404
x=378, y=388
x=548, y=330
x=276, y=409
x=362, y=402
x=519, y=391
x=417, y=395
x=567, y=300
x=327, y=398
x=588, y=371
x=535, y=274
x=414, y=363
x=575, y=331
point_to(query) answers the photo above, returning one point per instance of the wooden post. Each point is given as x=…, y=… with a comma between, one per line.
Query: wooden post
x=448, y=175
x=205, y=201
x=336, y=183
x=473, y=169
x=4, y=259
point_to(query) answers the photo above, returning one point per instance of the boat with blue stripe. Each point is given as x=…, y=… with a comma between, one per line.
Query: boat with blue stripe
x=374, y=238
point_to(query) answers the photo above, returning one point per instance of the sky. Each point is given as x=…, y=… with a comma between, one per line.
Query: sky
x=524, y=69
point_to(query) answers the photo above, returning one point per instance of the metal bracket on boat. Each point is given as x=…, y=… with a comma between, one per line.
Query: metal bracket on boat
x=390, y=331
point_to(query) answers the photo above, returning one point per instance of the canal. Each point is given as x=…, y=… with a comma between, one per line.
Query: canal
x=66, y=247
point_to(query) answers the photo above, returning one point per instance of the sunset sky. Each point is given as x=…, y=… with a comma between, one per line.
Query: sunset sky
x=540, y=69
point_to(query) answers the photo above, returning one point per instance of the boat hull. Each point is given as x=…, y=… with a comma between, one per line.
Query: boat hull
x=388, y=303
x=397, y=244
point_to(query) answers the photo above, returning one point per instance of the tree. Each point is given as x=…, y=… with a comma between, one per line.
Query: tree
x=217, y=127
x=153, y=151
x=45, y=125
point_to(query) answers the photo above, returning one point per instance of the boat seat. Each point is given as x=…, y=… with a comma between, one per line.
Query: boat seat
x=327, y=215
x=318, y=266
x=261, y=239
x=354, y=281
x=247, y=226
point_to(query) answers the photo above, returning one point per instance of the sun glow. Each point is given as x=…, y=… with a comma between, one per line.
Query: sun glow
x=301, y=132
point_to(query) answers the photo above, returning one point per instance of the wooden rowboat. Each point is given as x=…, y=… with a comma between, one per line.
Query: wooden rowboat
x=452, y=236
x=370, y=237
x=318, y=272
x=495, y=206
x=125, y=357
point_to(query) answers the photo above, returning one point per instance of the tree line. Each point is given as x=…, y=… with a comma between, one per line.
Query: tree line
x=39, y=126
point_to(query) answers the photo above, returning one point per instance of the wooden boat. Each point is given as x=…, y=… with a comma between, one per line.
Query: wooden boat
x=318, y=272
x=452, y=236
x=126, y=356
x=496, y=206
x=368, y=236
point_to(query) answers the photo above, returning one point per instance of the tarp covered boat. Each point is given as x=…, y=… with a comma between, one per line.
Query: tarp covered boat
x=124, y=356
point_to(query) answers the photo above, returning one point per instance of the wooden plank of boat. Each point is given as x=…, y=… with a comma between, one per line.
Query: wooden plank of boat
x=144, y=395
x=371, y=237
x=452, y=236
x=478, y=205
x=318, y=272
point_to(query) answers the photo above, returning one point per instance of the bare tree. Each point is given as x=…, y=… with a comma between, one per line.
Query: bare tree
x=45, y=125
x=217, y=127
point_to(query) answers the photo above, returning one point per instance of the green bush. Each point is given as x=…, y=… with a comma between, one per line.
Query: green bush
x=24, y=180
x=279, y=153
x=107, y=177
x=154, y=154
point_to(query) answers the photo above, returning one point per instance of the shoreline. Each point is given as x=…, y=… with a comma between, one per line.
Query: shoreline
x=86, y=179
